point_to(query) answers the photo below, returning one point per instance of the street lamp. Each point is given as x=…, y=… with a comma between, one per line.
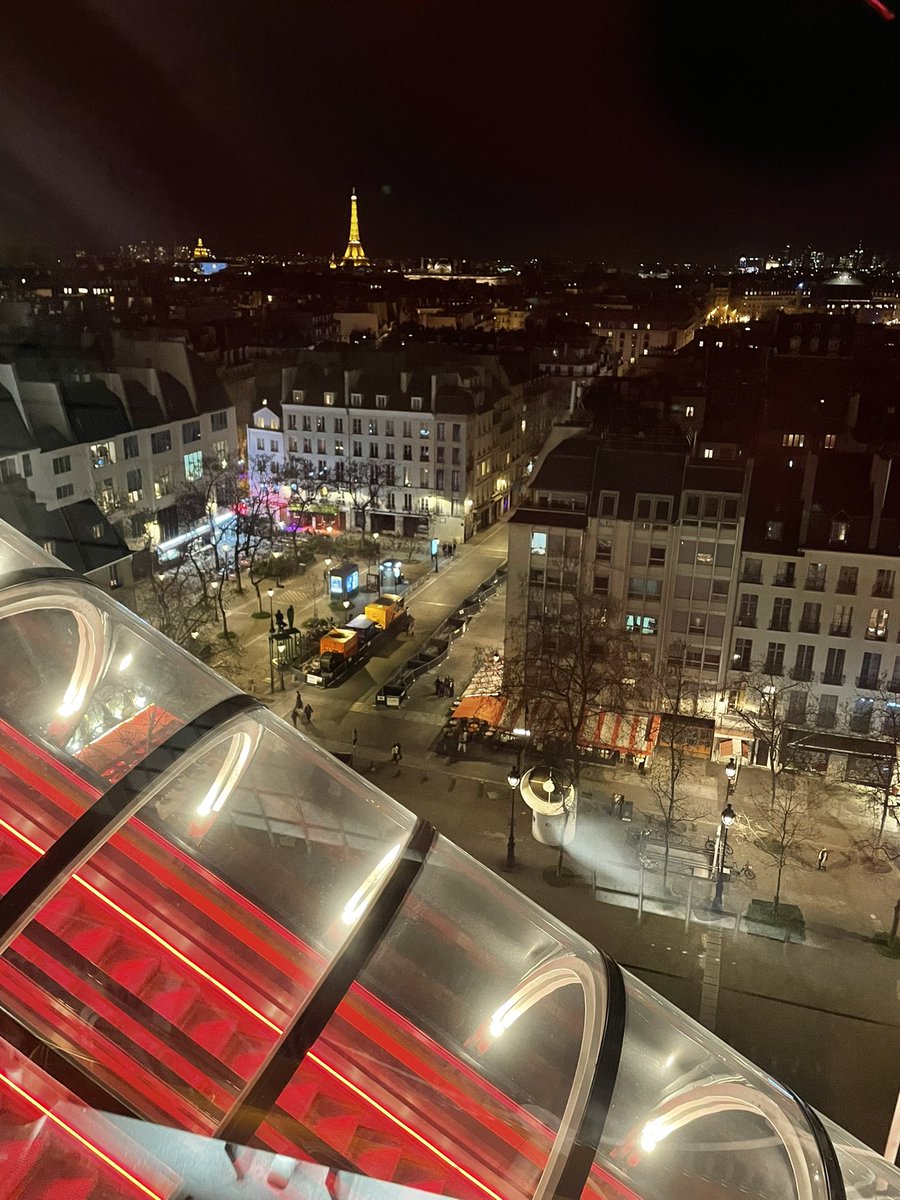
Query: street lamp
x=730, y=775
x=514, y=778
x=346, y=604
x=271, y=593
x=728, y=815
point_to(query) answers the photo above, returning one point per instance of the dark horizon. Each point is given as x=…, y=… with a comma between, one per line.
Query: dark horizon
x=625, y=131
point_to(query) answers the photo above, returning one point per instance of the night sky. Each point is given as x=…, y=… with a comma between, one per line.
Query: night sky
x=614, y=129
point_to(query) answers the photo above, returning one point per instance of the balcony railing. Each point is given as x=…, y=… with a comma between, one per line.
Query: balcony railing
x=860, y=724
x=773, y=668
x=815, y=585
x=827, y=721
x=808, y=625
x=869, y=682
x=884, y=591
x=746, y=621
x=751, y=576
x=893, y=685
x=846, y=586
x=838, y=630
x=780, y=626
x=784, y=580
x=833, y=678
x=802, y=674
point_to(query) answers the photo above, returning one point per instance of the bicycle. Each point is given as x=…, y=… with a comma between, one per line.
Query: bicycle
x=711, y=845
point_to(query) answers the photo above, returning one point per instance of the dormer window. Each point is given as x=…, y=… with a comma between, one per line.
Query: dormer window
x=355, y=400
x=329, y=399
x=416, y=403
x=840, y=529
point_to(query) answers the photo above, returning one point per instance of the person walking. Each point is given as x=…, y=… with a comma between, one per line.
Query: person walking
x=307, y=712
x=439, y=686
x=822, y=860
x=396, y=753
x=451, y=690
x=298, y=703
x=354, y=738
x=295, y=713
x=462, y=745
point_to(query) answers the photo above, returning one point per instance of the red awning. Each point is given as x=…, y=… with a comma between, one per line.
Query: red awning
x=631, y=733
x=116, y=751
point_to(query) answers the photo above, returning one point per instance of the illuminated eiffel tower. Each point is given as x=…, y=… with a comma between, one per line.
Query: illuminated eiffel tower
x=354, y=255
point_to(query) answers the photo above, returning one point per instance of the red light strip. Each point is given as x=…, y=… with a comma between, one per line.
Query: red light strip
x=250, y=1009
x=89, y=1146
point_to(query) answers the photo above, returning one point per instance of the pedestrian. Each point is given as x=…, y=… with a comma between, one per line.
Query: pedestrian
x=354, y=738
x=462, y=742
x=822, y=860
x=298, y=703
x=396, y=753
x=451, y=691
x=295, y=713
x=307, y=712
x=439, y=686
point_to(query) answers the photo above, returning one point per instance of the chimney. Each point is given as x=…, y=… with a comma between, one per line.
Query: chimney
x=806, y=494
x=879, y=477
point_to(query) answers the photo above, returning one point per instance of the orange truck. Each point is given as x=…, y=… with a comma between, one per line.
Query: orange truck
x=386, y=609
x=339, y=641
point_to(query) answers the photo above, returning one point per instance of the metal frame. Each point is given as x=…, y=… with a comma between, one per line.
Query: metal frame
x=262, y=1091
x=580, y=1158
x=834, y=1178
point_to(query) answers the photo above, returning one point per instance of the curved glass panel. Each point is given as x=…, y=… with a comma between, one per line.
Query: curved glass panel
x=20, y=553
x=461, y=1059
x=865, y=1172
x=80, y=673
x=689, y=1113
x=174, y=958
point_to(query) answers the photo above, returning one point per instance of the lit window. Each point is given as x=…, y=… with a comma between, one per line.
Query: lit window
x=830, y=441
x=793, y=439
x=708, y=452
x=538, y=543
x=839, y=530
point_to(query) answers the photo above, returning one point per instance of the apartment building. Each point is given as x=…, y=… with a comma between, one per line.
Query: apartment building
x=126, y=438
x=434, y=444
x=650, y=530
x=818, y=601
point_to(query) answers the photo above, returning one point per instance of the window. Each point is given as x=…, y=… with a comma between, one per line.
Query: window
x=193, y=465
x=454, y=481
x=457, y=434
x=162, y=485
x=338, y=424
x=114, y=580
x=752, y=572
x=356, y=400
x=785, y=574
x=219, y=421
x=840, y=528
x=161, y=441
x=307, y=446
x=661, y=510
x=815, y=577
x=774, y=664
x=328, y=399
x=876, y=630
x=274, y=445
x=26, y=466
x=389, y=428
x=774, y=530
x=407, y=429
x=423, y=454
x=608, y=502
x=440, y=431
x=711, y=506
x=307, y=423
x=407, y=502
x=320, y=424
x=810, y=617
x=373, y=426
x=834, y=667
x=740, y=660
x=601, y=585
x=657, y=556
x=407, y=453
x=66, y=489
x=130, y=447
x=861, y=714
x=604, y=550
x=423, y=477
x=381, y=401
x=357, y=449
x=840, y=620
x=356, y=425
x=636, y=623
x=708, y=452
x=642, y=508
x=321, y=446
x=730, y=508
x=827, y=712
x=781, y=614
x=689, y=410
x=803, y=663
x=692, y=506
x=389, y=450
x=884, y=584
x=439, y=480
x=292, y=445
x=651, y=588
x=373, y=449
x=134, y=484
x=846, y=583
x=190, y=432
x=697, y=623
x=796, y=709
x=7, y=469
x=102, y=454
x=793, y=439
x=747, y=610
x=871, y=671
x=415, y=403
x=439, y=454
x=830, y=441
x=62, y=464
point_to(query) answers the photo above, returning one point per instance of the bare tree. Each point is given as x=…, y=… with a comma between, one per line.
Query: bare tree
x=675, y=758
x=774, y=720
x=363, y=485
x=785, y=822
x=876, y=714
x=179, y=601
x=201, y=500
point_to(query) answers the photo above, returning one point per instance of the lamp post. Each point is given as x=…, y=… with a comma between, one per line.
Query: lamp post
x=271, y=593
x=730, y=775
x=346, y=604
x=514, y=778
x=728, y=815
x=375, y=536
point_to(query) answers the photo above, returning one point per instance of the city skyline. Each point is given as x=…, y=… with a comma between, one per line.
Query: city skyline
x=767, y=121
